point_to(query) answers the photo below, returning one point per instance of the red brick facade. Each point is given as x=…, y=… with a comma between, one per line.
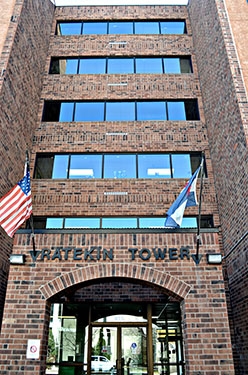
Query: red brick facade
x=73, y=265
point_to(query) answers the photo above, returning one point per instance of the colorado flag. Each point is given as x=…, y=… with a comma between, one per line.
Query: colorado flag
x=186, y=198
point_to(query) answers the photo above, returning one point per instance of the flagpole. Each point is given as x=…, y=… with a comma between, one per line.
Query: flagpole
x=198, y=237
x=31, y=221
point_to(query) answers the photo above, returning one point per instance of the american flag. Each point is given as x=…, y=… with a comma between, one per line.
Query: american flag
x=16, y=205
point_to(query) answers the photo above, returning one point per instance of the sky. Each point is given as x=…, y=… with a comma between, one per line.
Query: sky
x=119, y=2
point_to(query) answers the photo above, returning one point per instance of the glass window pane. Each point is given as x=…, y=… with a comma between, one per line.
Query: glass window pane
x=181, y=166
x=120, y=27
x=92, y=66
x=151, y=111
x=172, y=65
x=119, y=166
x=66, y=112
x=189, y=222
x=120, y=111
x=176, y=111
x=154, y=166
x=68, y=66
x=82, y=223
x=119, y=222
x=86, y=166
x=89, y=111
x=149, y=65
x=44, y=167
x=146, y=27
x=60, y=166
x=175, y=27
x=185, y=65
x=95, y=28
x=69, y=28
x=151, y=222
x=54, y=223
x=119, y=66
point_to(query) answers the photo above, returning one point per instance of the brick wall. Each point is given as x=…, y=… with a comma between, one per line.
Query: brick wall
x=200, y=289
x=226, y=109
x=6, y=11
x=23, y=58
x=55, y=277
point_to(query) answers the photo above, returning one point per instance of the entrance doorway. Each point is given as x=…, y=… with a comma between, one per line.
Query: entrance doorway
x=115, y=339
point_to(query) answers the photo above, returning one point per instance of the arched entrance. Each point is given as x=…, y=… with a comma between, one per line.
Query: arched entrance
x=121, y=326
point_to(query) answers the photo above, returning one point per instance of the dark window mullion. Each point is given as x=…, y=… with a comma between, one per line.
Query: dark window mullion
x=78, y=65
x=106, y=65
x=103, y=162
x=163, y=65
x=73, y=112
x=171, y=166
x=63, y=222
x=107, y=27
x=82, y=28
x=104, y=111
x=69, y=166
x=166, y=110
x=137, y=167
x=133, y=28
x=159, y=27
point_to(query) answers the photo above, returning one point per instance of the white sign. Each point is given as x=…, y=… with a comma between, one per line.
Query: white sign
x=33, y=349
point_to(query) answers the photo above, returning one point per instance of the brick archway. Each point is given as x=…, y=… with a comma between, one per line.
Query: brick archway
x=92, y=272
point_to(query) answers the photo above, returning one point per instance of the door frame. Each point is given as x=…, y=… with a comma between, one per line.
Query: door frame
x=119, y=325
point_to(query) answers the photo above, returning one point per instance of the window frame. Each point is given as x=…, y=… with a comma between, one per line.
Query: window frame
x=193, y=158
x=109, y=22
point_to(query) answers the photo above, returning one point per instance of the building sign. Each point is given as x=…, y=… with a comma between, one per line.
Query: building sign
x=94, y=253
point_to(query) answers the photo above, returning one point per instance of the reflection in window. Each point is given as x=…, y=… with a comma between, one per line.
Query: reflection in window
x=116, y=222
x=60, y=166
x=119, y=166
x=154, y=166
x=69, y=28
x=121, y=27
x=176, y=111
x=95, y=28
x=92, y=66
x=82, y=223
x=120, y=111
x=53, y=223
x=119, y=222
x=170, y=27
x=90, y=166
x=149, y=27
x=149, y=65
x=151, y=111
x=85, y=166
x=181, y=165
x=66, y=112
x=121, y=65
x=89, y=111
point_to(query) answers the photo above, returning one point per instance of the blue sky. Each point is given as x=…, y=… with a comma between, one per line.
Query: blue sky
x=119, y=2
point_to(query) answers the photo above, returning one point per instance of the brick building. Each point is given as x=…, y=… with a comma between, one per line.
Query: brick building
x=116, y=105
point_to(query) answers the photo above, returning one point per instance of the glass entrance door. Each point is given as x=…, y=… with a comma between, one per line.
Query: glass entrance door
x=115, y=339
x=120, y=349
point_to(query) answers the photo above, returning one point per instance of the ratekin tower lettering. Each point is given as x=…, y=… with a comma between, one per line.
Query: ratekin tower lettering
x=94, y=253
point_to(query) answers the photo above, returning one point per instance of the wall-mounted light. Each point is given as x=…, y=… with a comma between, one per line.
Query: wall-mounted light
x=214, y=258
x=17, y=259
